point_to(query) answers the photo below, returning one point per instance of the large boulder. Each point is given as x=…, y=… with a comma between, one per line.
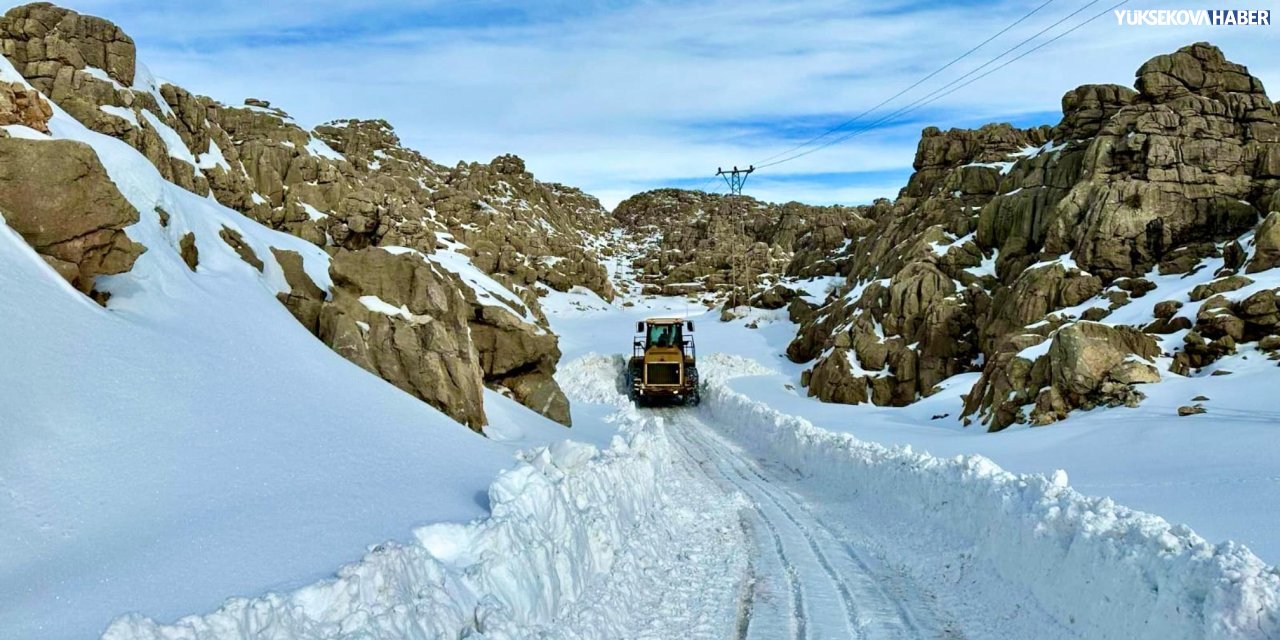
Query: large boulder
x=518, y=358
x=1183, y=162
x=403, y=319
x=1084, y=356
x=1086, y=364
x=1036, y=293
x=1266, y=243
x=58, y=197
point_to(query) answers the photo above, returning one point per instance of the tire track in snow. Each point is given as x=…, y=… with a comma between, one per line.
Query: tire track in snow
x=878, y=605
x=799, y=614
x=761, y=487
x=906, y=616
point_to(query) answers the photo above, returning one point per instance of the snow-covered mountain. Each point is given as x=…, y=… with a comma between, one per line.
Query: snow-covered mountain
x=1135, y=240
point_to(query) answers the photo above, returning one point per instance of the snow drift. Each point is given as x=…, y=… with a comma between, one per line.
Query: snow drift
x=578, y=545
x=1112, y=571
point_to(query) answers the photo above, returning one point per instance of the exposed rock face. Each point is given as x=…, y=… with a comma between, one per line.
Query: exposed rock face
x=242, y=249
x=520, y=359
x=1004, y=236
x=693, y=242
x=42, y=39
x=523, y=231
x=1188, y=159
x=1085, y=365
x=305, y=299
x=20, y=105
x=88, y=66
x=348, y=185
x=57, y=195
x=403, y=318
x=921, y=326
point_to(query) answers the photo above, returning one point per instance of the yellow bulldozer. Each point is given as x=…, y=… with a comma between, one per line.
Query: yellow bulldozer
x=663, y=366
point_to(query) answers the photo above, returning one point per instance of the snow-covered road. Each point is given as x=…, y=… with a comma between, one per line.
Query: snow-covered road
x=809, y=578
x=733, y=520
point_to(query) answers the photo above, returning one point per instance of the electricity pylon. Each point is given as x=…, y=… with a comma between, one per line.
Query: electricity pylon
x=735, y=178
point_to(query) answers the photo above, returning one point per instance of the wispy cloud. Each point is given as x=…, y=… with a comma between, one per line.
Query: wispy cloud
x=621, y=95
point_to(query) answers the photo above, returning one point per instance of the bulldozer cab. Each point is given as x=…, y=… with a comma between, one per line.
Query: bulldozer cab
x=663, y=365
x=663, y=333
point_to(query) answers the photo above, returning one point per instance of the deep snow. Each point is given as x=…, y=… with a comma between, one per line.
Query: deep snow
x=193, y=441
x=1218, y=473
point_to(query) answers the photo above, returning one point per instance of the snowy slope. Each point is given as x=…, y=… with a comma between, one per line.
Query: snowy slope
x=193, y=441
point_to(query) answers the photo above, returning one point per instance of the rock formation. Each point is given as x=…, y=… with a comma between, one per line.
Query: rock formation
x=694, y=242
x=1004, y=239
x=347, y=186
x=58, y=197
x=403, y=318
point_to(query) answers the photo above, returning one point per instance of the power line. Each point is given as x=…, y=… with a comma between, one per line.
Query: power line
x=943, y=90
x=913, y=86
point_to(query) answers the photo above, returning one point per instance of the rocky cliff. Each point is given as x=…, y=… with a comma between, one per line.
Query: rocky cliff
x=1037, y=256
x=348, y=186
x=691, y=242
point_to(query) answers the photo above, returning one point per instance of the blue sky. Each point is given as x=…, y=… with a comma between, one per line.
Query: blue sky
x=618, y=96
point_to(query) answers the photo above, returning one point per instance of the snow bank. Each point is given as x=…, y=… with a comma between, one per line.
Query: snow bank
x=595, y=378
x=1113, y=571
x=579, y=544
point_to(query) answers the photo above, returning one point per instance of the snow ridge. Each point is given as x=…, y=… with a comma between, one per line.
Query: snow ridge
x=1105, y=570
x=580, y=544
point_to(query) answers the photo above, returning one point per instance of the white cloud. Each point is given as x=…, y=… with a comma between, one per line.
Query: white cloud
x=614, y=96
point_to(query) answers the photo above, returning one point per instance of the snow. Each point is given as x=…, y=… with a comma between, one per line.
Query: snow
x=815, y=289
x=144, y=81
x=987, y=267
x=579, y=545
x=312, y=212
x=1036, y=351
x=172, y=141
x=23, y=131
x=211, y=446
x=213, y=158
x=317, y=147
x=1143, y=577
x=378, y=305
x=121, y=112
x=101, y=74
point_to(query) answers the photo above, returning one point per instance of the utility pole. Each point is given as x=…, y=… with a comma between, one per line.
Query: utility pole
x=736, y=178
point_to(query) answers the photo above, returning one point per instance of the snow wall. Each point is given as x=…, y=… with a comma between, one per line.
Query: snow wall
x=1114, y=571
x=559, y=521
